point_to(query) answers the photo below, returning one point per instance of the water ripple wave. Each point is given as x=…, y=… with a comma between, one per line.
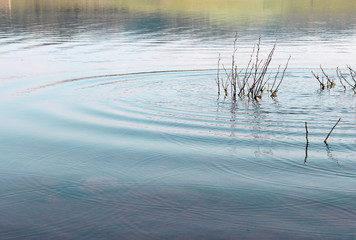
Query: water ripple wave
x=163, y=149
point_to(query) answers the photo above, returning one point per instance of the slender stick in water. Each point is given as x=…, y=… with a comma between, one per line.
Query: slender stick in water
x=306, y=132
x=307, y=145
x=326, y=139
x=218, y=75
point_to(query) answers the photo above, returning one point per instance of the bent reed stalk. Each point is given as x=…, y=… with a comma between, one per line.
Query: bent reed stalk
x=326, y=139
x=251, y=81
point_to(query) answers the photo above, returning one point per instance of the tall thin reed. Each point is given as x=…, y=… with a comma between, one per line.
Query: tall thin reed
x=307, y=145
x=353, y=75
x=274, y=93
x=218, y=76
x=326, y=139
x=339, y=74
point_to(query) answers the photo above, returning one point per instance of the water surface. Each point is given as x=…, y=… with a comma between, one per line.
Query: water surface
x=111, y=126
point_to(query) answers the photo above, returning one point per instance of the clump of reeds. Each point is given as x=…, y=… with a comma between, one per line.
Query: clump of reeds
x=351, y=82
x=250, y=81
x=330, y=83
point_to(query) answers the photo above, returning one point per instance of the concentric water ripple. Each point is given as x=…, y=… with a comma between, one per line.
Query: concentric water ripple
x=149, y=154
x=180, y=112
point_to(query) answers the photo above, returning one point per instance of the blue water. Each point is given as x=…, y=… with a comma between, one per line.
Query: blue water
x=115, y=130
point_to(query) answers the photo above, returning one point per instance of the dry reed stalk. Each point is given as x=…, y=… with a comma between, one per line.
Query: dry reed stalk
x=269, y=77
x=247, y=74
x=343, y=77
x=234, y=71
x=307, y=145
x=228, y=74
x=349, y=67
x=351, y=70
x=256, y=66
x=274, y=94
x=275, y=77
x=238, y=77
x=218, y=75
x=225, y=86
x=326, y=139
x=330, y=83
x=306, y=132
x=256, y=89
x=338, y=72
x=322, y=85
x=257, y=63
x=353, y=75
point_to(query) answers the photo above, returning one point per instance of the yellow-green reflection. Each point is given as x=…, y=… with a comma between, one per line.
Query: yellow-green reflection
x=213, y=8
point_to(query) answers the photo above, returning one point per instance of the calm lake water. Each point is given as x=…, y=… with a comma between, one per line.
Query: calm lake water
x=112, y=128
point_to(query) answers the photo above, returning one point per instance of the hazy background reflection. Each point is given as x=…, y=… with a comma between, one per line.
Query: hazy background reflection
x=130, y=36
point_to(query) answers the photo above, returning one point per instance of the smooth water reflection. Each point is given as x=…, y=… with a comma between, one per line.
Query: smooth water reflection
x=118, y=36
x=101, y=138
